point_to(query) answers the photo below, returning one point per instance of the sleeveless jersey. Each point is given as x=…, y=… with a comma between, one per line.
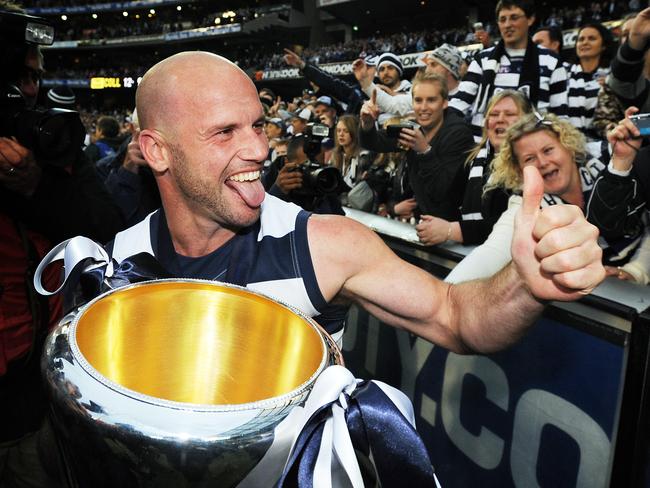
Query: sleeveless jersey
x=271, y=257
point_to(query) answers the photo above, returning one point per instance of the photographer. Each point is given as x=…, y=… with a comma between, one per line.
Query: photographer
x=128, y=178
x=325, y=111
x=48, y=192
x=436, y=147
x=305, y=181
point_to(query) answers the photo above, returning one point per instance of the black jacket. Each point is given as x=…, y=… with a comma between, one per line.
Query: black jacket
x=437, y=178
x=66, y=203
x=339, y=89
x=617, y=203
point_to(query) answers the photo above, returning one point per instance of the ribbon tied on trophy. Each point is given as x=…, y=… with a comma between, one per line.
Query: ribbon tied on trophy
x=88, y=263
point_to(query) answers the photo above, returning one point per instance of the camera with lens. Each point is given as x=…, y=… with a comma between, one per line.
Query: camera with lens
x=54, y=135
x=318, y=179
x=394, y=130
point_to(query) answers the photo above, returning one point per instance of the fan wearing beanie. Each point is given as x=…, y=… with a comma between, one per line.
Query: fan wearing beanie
x=394, y=93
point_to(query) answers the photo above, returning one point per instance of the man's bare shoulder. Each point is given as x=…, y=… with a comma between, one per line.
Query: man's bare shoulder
x=326, y=224
x=340, y=249
x=339, y=236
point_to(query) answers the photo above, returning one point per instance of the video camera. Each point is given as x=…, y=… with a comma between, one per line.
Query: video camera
x=53, y=135
x=318, y=179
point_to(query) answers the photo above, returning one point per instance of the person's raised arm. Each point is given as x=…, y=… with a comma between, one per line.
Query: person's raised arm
x=364, y=74
x=369, y=112
x=556, y=257
x=625, y=140
x=292, y=59
x=618, y=200
x=640, y=31
x=369, y=137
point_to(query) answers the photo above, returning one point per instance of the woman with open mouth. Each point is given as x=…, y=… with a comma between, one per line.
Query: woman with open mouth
x=569, y=168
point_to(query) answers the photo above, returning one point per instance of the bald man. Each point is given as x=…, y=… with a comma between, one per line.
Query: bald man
x=203, y=136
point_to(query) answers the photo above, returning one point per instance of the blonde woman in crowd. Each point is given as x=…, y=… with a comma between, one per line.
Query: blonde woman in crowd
x=569, y=168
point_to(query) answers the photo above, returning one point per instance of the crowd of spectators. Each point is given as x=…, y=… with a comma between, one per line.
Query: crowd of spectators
x=445, y=152
x=550, y=119
x=268, y=56
x=163, y=19
x=429, y=180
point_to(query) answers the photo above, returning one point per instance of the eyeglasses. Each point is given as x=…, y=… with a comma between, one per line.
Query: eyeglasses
x=512, y=18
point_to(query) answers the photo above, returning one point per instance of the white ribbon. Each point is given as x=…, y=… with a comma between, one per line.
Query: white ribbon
x=73, y=251
x=336, y=465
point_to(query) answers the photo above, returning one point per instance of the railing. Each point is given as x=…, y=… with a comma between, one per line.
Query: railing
x=566, y=406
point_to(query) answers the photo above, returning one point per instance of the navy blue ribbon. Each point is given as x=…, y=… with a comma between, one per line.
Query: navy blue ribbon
x=375, y=425
x=135, y=269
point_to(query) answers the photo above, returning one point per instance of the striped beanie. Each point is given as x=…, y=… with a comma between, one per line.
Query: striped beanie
x=391, y=59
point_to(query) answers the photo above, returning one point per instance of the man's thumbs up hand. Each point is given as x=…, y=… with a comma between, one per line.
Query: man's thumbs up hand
x=555, y=251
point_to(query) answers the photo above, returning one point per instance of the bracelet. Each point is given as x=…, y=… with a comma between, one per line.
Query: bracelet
x=426, y=151
x=448, y=232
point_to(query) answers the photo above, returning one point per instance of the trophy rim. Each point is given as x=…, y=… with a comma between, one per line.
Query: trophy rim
x=327, y=342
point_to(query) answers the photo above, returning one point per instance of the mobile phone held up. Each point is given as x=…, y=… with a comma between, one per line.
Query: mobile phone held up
x=642, y=122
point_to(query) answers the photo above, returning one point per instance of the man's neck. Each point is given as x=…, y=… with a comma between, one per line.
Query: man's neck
x=194, y=235
x=194, y=243
x=523, y=44
x=452, y=83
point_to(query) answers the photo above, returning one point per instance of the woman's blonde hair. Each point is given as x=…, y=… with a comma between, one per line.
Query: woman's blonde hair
x=522, y=103
x=432, y=78
x=506, y=172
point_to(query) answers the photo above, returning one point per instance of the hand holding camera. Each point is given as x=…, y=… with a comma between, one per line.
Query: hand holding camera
x=326, y=119
x=626, y=138
x=19, y=172
x=133, y=159
x=413, y=138
x=289, y=178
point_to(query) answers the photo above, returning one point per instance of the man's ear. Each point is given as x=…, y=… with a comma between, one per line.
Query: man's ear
x=531, y=21
x=154, y=150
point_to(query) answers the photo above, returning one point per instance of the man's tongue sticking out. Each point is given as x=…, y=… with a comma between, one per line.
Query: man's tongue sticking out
x=252, y=192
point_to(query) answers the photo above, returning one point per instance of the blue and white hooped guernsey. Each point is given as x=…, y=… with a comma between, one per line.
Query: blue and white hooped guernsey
x=275, y=248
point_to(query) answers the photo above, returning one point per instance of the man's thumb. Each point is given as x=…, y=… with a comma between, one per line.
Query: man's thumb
x=533, y=190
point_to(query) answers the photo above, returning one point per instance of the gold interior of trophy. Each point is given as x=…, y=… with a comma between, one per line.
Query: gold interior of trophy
x=198, y=343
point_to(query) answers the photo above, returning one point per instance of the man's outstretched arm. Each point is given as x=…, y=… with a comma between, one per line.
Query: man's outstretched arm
x=555, y=255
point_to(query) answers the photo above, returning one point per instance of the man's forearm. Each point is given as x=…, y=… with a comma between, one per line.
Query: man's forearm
x=399, y=104
x=494, y=313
